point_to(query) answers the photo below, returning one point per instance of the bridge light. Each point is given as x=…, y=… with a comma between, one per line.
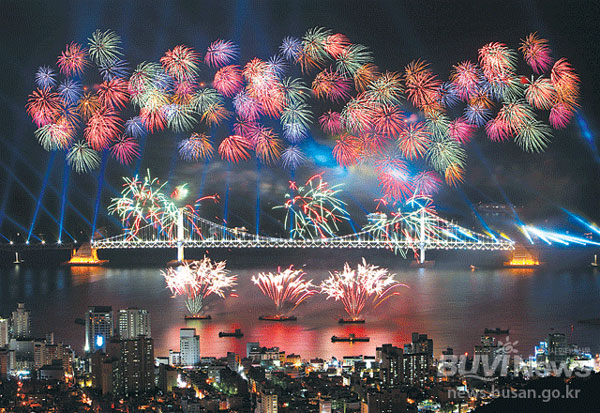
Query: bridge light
x=27, y=242
x=43, y=242
x=11, y=243
x=75, y=241
x=59, y=242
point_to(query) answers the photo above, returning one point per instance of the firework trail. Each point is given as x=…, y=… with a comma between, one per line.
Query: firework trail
x=356, y=287
x=315, y=207
x=286, y=288
x=198, y=280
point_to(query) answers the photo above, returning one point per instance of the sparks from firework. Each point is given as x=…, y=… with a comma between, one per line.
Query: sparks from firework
x=143, y=203
x=220, y=53
x=372, y=118
x=125, y=149
x=104, y=47
x=286, y=288
x=407, y=224
x=197, y=281
x=315, y=207
x=197, y=146
x=356, y=287
x=181, y=62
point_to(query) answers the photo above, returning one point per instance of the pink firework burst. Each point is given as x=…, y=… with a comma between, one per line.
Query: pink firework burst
x=228, y=80
x=102, y=128
x=73, y=60
x=125, y=149
x=356, y=287
x=331, y=122
x=235, y=149
x=536, y=53
x=286, y=288
x=181, y=62
x=346, y=150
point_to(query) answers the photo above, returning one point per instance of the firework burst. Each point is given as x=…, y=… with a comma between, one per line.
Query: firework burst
x=197, y=281
x=355, y=288
x=287, y=288
x=315, y=207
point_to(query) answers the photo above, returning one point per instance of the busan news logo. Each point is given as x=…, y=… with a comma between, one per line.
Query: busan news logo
x=495, y=361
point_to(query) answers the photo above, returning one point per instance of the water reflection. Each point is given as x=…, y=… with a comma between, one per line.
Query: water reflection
x=451, y=306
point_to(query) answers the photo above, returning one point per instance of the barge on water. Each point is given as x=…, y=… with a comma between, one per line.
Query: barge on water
x=350, y=339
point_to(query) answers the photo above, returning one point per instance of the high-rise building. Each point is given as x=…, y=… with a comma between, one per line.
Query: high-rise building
x=390, y=364
x=133, y=323
x=251, y=346
x=488, y=348
x=45, y=354
x=486, y=353
x=558, y=349
x=127, y=368
x=233, y=361
x=189, y=346
x=137, y=366
x=98, y=327
x=422, y=344
x=6, y=362
x=21, y=322
x=174, y=358
x=266, y=402
x=24, y=352
x=167, y=378
x=4, y=327
x=415, y=368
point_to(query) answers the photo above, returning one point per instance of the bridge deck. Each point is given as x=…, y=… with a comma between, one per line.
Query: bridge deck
x=317, y=243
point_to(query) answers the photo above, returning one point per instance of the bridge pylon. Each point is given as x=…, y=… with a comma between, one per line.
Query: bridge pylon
x=180, y=235
x=422, y=236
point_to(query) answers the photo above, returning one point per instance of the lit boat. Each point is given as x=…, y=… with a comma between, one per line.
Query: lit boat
x=277, y=318
x=198, y=317
x=351, y=321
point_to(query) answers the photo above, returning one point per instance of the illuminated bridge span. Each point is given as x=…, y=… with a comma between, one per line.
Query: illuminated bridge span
x=420, y=232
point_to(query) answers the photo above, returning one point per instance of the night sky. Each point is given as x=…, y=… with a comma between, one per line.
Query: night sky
x=441, y=32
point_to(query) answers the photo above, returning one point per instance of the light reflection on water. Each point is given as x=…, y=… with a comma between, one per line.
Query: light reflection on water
x=452, y=306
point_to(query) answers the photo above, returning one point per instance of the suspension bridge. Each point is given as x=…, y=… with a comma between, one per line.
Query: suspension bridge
x=420, y=231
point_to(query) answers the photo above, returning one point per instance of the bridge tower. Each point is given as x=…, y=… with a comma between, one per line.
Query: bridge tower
x=422, y=237
x=180, y=235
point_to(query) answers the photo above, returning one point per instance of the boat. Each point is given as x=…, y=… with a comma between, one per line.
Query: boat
x=590, y=321
x=350, y=339
x=237, y=333
x=198, y=317
x=277, y=318
x=496, y=331
x=351, y=321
